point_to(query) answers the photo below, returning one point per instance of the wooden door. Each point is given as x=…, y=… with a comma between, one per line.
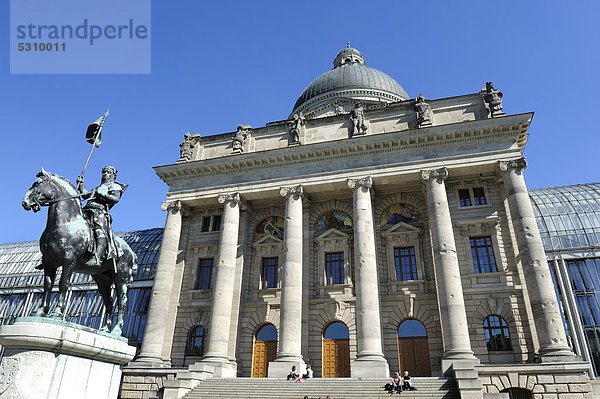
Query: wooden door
x=336, y=358
x=413, y=354
x=264, y=352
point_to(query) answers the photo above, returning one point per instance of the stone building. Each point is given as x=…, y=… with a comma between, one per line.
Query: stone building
x=368, y=232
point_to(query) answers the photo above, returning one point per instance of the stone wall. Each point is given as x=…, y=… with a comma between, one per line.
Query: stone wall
x=549, y=381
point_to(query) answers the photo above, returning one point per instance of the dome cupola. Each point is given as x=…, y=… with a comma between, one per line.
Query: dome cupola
x=350, y=81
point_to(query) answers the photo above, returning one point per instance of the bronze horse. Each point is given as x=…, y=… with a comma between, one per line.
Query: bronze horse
x=65, y=242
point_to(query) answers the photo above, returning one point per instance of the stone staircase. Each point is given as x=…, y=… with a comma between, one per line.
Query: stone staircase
x=336, y=388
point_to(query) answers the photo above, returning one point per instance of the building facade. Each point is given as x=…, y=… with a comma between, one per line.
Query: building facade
x=367, y=232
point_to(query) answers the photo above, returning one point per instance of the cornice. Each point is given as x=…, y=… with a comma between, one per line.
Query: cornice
x=396, y=141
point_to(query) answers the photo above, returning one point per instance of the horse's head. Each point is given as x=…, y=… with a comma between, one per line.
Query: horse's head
x=40, y=193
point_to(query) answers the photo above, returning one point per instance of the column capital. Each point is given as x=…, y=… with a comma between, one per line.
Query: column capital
x=172, y=206
x=519, y=164
x=234, y=197
x=366, y=182
x=293, y=190
x=441, y=173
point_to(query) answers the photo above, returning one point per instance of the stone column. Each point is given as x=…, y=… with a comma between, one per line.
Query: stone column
x=369, y=359
x=222, y=295
x=455, y=330
x=548, y=322
x=290, y=326
x=156, y=321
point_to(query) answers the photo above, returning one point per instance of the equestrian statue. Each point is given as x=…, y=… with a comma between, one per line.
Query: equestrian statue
x=80, y=239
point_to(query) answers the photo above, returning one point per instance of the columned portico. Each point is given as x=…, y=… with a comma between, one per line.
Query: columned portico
x=290, y=350
x=455, y=330
x=153, y=341
x=222, y=296
x=548, y=322
x=369, y=359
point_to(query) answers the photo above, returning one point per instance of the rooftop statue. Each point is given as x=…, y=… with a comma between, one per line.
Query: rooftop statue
x=239, y=138
x=423, y=110
x=494, y=98
x=296, y=124
x=358, y=123
x=188, y=146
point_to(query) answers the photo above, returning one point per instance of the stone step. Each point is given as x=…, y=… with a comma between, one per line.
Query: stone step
x=434, y=388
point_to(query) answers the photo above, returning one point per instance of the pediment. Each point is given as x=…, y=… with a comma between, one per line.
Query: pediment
x=402, y=228
x=268, y=239
x=332, y=234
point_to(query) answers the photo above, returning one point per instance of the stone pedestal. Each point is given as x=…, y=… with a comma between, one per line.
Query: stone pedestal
x=47, y=358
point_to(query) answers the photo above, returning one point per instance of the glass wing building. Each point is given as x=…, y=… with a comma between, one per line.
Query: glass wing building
x=569, y=221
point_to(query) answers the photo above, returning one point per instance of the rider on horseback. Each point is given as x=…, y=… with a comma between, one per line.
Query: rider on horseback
x=96, y=211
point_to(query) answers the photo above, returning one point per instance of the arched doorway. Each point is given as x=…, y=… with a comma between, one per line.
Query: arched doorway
x=413, y=348
x=336, y=351
x=265, y=350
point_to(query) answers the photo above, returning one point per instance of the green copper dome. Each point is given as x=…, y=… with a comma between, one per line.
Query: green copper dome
x=350, y=79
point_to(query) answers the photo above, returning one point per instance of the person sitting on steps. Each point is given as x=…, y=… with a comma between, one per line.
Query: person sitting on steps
x=293, y=374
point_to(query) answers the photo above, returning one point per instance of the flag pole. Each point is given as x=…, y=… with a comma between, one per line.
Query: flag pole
x=95, y=142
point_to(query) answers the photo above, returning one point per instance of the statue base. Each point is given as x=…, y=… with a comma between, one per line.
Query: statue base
x=49, y=358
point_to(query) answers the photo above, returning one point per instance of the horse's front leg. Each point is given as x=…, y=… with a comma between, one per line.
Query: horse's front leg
x=49, y=277
x=63, y=286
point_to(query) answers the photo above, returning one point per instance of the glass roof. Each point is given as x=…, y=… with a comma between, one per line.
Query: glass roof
x=21, y=258
x=568, y=217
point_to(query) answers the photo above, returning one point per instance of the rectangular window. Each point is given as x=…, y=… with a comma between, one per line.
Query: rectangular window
x=204, y=274
x=205, y=224
x=479, y=196
x=269, y=273
x=406, y=264
x=216, y=223
x=334, y=268
x=465, y=197
x=483, y=254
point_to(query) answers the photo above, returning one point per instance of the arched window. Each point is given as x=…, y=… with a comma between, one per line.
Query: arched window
x=496, y=332
x=411, y=328
x=336, y=330
x=195, y=344
x=268, y=332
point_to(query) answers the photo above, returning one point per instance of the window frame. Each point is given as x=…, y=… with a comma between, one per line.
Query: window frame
x=398, y=266
x=275, y=268
x=339, y=266
x=489, y=339
x=189, y=347
x=491, y=259
x=471, y=186
x=403, y=235
x=200, y=272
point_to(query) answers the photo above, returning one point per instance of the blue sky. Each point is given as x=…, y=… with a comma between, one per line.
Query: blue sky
x=218, y=64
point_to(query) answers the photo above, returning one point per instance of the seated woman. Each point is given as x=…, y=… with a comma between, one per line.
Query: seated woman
x=293, y=374
x=406, y=382
x=309, y=372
